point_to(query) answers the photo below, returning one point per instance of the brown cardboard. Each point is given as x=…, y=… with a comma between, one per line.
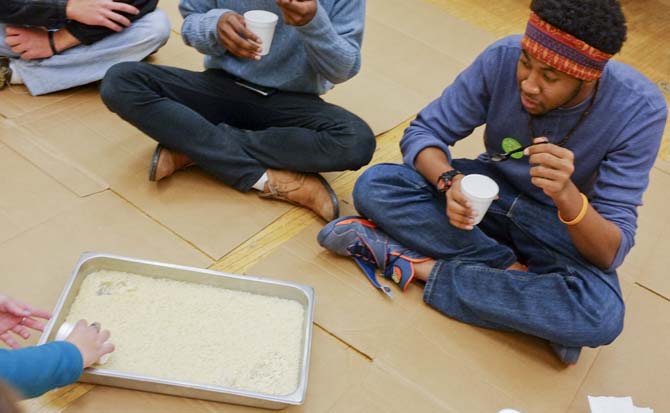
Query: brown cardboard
x=16, y=101
x=176, y=53
x=23, y=188
x=663, y=164
x=648, y=261
x=42, y=154
x=636, y=363
x=432, y=26
x=204, y=211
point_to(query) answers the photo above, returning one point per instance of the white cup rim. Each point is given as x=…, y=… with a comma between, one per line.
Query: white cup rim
x=488, y=190
x=261, y=17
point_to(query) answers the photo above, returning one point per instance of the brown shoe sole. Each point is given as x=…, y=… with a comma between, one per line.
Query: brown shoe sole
x=333, y=197
x=154, y=163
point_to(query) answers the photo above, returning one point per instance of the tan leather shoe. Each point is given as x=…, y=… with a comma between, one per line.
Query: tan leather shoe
x=5, y=72
x=166, y=162
x=307, y=190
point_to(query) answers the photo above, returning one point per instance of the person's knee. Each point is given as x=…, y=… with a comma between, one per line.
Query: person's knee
x=369, y=185
x=597, y=330
x=160, y=27
x=114, y=83
x=366, y=144
x=151, y=31
x=609, y=328
x=356, y=145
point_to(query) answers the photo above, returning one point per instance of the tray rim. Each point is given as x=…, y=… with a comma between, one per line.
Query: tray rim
x=295, y=398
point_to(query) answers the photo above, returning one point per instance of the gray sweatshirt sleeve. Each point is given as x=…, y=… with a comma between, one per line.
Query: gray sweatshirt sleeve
x=333, y=39
x=199, y=29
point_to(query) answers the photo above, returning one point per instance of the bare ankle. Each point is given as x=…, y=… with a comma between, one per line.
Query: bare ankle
x=517, y=266
x=423, y=269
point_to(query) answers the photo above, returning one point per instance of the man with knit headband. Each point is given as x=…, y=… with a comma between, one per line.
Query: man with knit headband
x=543, y=260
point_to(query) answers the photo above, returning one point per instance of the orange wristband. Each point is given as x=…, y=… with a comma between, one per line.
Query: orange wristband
x=580, y=216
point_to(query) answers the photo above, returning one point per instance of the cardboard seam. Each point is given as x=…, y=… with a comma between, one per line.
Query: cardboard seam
x=347, y=344
x=651, y=290
x=170, y=230
x=416, y=388
x=52, y=153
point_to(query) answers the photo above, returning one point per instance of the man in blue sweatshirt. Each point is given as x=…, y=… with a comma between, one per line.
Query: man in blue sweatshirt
x=252, y=122
x=543, y=261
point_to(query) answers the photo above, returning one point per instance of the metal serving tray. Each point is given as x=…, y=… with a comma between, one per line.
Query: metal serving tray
x=92, y=262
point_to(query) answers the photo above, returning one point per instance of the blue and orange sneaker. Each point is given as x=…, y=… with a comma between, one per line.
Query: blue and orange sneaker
x=371, y=248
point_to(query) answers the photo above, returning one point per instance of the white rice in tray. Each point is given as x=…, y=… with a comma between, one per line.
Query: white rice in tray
x=195, y=333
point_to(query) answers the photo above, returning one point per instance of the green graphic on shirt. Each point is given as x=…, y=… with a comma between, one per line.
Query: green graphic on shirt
x=510, y=144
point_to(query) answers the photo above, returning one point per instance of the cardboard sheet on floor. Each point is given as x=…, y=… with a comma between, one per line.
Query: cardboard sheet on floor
x=636, y=363
x=340, y=380
x=36, y=263
x=50, y=160
x=29, y=197
x=648, y=261
x=407, y=62
x=176, y=53
x=212, y=216
x=16, y=101
x=464, y=367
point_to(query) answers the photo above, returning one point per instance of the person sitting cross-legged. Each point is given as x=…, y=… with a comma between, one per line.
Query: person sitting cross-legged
x=252, y=121
x=543, y=260
x=55, y=45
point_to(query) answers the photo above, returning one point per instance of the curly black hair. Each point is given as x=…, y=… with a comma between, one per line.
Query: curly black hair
x=600, y=23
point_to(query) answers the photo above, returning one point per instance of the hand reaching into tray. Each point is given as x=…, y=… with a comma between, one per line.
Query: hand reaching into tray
x=91, y=342
x=17, y=319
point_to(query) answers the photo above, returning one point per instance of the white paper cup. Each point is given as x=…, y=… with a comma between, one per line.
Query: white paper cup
x=262, y=23
x=66, y=329
x=480, y=190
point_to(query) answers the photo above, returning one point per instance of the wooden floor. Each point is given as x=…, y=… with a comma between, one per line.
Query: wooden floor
x=649, y=22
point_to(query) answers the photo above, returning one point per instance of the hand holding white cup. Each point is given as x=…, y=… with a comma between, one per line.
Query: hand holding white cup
x=480, y=191
x=262, y=23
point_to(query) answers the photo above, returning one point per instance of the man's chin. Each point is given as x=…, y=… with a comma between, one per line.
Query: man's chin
x=535, y=111
x=534, y=108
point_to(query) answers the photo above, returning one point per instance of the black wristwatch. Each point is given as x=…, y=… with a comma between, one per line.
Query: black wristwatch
x=446, y=180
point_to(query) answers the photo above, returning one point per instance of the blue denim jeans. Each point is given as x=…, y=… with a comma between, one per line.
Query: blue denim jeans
x=231, y=132
x=562, y=297
x=85, y=64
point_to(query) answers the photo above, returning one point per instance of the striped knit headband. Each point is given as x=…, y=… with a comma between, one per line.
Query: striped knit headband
x=562, y=51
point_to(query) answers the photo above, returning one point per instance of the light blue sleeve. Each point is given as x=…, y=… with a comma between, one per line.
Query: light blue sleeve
x=36, y=370
x=333, y=39
x=199, y=29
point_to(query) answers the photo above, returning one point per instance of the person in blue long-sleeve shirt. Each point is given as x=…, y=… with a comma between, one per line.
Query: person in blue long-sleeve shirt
x=543, y=260
x=35, y=370
x=254, y=122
